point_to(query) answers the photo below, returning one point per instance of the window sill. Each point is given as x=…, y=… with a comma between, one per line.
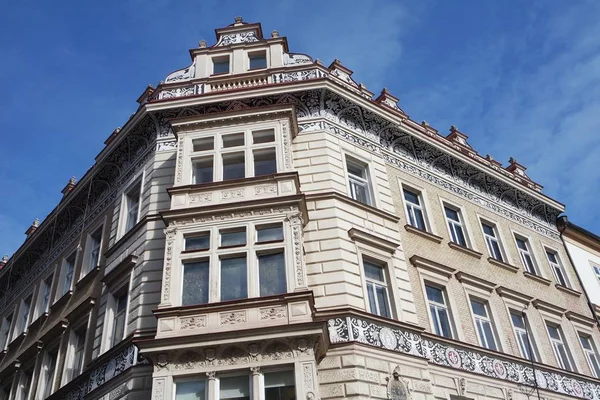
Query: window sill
x=64, y=299
x=38, y=321
x=504, y=265
x=87, y=278
x=568, y=290
x=422, y=233
x=465, y=250
x=538, y=278
x=17, y=341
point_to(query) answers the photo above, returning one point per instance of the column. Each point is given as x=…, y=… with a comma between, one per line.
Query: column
x=257, y=385
x=210, y=377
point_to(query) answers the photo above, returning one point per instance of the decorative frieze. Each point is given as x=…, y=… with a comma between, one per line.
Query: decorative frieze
x=351, y=329
x=279, y=312
x=193, y=322
x=232, y=318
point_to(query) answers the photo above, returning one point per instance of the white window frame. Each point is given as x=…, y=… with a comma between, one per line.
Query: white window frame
x=218, y=150
x=451, y=224
x=366, y=182
x=24, y=318
x=438, y=306
x=6, y=328
x=368, y=281
x=40, y=307
x=251, y=54
x=251, y=250
x=65, y=287
x=43, y=378
x=559, y=266
x=529, y=344
x=221, y=57
x=113, y=293
x=530, y=252
x=24, y=385
x=480, y=320
x=556, y=342
x=591, y=353
x=90, y=249
x=410, y=207
x=496, y=238
x=595, y=270
x=70, y=372
x=136, y=186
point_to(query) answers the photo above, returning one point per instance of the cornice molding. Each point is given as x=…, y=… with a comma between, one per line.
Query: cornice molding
x=430, y=265
x=514, y=295
x=373, y=240
x=549, y=307
x=580, y=319
x=464, y=249
x=475, y=281
x=422, y=233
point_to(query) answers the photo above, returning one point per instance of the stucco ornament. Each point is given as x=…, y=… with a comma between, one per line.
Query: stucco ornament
x=397, y=389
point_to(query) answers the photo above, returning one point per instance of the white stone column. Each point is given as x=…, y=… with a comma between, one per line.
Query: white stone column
x=211, y=385
x=257, y=392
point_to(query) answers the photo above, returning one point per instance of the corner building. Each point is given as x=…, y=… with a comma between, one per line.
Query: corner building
x=263, y=227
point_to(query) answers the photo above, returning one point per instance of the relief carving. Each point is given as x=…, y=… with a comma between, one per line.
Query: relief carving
x=235, y=317
x=232, y=194
x=273, y=313
x=193, y=322
x=397, y=387
x=265, y=190
x=200, y=198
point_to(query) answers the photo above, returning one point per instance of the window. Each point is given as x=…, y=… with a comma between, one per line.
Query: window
x=23, y=385
x=490, y=234
x=280, y=386
x=258, y=60
x=559, y=347
x=454, y=220
x=414, y=210
x=440, y=314
x=24, y=312
x=5, y=331
x=221, y=65
x=358, y=181
x=48, y=373
x=596, y=269
x=68, y=270
x=483, y=324
x=76, y=353
x=94, y=243
x=525, y=253
x=377, y=290
x=44, y=295
x=249, y=261
x=521, y=333
x=591, y=354
x=557, y=268
x=132, y=204
x=120, y=316
x=236, y=156
x=235, y=387
x=190, y=390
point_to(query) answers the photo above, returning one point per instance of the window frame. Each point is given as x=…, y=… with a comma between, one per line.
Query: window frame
x=389, y=294
x=530, y=251
x=69, y=372
x=595, y=270
x=489, y=319
x=252, y=55
x=462, y=222
x=23, y=321
x=367, y=182
x=419, y=193
x=549, y=250
x=40, y=308
x=87, y=265
x=9, y=328
x=137, y=186
x=445, y=306
x=530, y=345
x=215, y=60
x=496, y=238
x=65, y=288
x=42, y=392
x=591, y=352
x=562, y=342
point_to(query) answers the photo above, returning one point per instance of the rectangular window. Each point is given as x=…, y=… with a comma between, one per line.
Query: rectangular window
x=234, y=166
x=263, y=136
x=78, y=351
x=24, y=312
x=557, y=268
x=120, y=315
x=525, y=253
x=197, y=242
x=358, y=181
x=560, y=348
x=48, y=373
x=5, y=331
x=455, y=226
x=94, y=243
x=132, y=203
x=234, y=388
x=203, y=144
x=195, y=283
x=377, y=289
x=68, y=270
x=280, y=386
x=234, y=278
x=233, y=237
x=44, y=295
x=190, y=390
x=271, y=273
x=203, y=170
x=258, y=60
x=596, y=269
x=265, y=162
x=269, y=233
x=24, y=385
x=522, y=335
x=221, y=65
x=440, y=314
x=483, y=323
x=414, y=209
x=233, y=140
x=491, y=240
x=591, y=353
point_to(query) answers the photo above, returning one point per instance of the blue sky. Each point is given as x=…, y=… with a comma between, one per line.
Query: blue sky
x=521, y=78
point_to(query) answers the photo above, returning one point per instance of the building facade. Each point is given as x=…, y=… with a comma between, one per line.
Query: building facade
x=263, y=227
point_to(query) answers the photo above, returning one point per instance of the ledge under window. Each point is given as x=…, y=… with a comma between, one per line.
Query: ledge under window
x=87, y=278
x=62, y=301
x=38, y=321
x=422, y=233
x=465, y=250
x=502, y=264
x=568, y=290
x=17, y=340
x=538, y=278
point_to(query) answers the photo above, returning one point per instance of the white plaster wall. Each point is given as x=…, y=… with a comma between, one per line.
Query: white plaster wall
x=581, y=258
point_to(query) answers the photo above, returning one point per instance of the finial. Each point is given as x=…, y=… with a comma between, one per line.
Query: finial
x=424, y=123
x=275, y=34
x=453, y=128
x=512, y=160
x=5, y=258
x=202, y=44
x=238, y=20
x=489, y=157
x=33, y=227
x=73, y=180
x=36, y=223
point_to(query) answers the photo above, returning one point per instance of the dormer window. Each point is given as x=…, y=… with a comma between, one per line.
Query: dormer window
x=257, y=60
x=221, y=65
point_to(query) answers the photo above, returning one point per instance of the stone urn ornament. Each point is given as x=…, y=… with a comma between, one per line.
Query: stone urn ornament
x=397, y=389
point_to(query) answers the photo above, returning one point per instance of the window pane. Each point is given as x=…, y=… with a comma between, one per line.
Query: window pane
x=272, y=274
x=496, y=253
x=452, y=214
x=411, y=197
x=488, y=230
x=234, y=278
x=264, y=136
x=280, y=386
x=564, y=358
x=382, y=301
x=237, y=387
x=198, y=242
x=517, y=320
x=444, y=323
x=478, y=308
x=221, y=65
x=489, y=336
x=357, y=170
x=269, y=233
x=265, y=162
x=552, y=257
x=204, y=144
x=195, y=283
x=372, y=301
x=203, y=170
x=522, y=245
x=373, y=271
x=585, y=342
x=258, y=61
x=234, y=166
x=359, y=191
x=416, y=218
x=458, y=235
x=233, y=140
x=192, y=390
x=553, y=331
x=435, y=294
x=233, y=237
